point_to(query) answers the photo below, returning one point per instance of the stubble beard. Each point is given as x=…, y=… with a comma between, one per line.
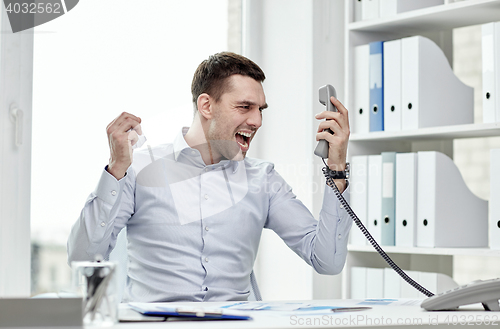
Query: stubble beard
x=222, y=143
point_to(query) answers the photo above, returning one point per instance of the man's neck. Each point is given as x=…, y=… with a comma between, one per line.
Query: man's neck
x=196, y=139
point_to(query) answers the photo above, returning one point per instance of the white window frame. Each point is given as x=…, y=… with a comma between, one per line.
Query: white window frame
x=16, y=81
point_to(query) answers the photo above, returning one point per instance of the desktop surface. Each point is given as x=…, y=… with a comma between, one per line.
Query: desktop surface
x=393, y=313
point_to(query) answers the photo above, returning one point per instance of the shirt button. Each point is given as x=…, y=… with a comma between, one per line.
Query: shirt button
x=341, y=206
x=339, y=236
x=206, y=169
x=206, y=260
x=206, y=196
x=193, y=152
x=103, y=224
x=206, y=228
x=113, y=193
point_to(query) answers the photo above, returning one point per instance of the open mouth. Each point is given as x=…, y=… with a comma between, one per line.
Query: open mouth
x=243, y=139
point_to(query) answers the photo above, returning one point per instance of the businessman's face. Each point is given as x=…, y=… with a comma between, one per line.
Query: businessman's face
x=237, y=117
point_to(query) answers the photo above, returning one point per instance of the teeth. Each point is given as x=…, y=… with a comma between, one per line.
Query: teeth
x=244, y=134
x=244, y=145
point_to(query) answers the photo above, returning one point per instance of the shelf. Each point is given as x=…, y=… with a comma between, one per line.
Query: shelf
x=429, y=251
x=433, y=133
x=443, y=17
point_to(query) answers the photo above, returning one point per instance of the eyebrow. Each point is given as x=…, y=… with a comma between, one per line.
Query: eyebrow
x=252, y=103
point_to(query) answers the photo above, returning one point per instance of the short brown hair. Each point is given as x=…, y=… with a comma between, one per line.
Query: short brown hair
x=211, y=75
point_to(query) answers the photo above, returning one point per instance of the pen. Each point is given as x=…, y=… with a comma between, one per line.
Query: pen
x=351, y=309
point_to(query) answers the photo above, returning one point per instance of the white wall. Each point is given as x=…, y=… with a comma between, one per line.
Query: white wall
x=292, y=42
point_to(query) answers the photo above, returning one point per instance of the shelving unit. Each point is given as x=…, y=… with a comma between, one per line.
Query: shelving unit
x=437, y=24
x=428, y=251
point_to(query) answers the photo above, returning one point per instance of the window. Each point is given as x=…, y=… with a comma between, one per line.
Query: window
x=98, y=60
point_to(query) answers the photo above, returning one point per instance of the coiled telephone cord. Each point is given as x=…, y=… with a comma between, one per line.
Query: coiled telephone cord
x=354, y=217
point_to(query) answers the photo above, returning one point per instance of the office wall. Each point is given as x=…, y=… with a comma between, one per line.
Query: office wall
x=292, y=43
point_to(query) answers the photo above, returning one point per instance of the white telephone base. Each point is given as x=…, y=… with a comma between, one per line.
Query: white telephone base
x=486, y=292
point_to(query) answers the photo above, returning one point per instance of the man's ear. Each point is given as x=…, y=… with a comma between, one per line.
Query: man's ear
x=204, y=106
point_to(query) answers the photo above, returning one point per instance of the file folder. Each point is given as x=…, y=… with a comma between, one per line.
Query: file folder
x=406, y=199
x=494, y=204
x=375, y=196
x=431, y=93
x=369, y=9
x=374, y=282
x=436, y=282
x=357, y=11
x=392, y=85
x=390, y=8
x=358, y=195
x=392, y=283
x=376, y=86
x=490, y=39
x=388, y=198
x=358, y=282
x=361, y=113
x=407, y=291
x=448, y=213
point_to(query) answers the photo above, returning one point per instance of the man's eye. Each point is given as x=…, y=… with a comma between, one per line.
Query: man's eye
x=246, y=107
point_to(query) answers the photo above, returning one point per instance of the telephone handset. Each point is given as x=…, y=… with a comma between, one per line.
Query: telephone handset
x=325, y=93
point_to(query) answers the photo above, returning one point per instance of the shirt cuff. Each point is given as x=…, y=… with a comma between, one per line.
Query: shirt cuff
x=331, y=203
x=108, y=187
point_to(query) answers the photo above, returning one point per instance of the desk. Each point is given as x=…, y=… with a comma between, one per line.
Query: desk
x=398, y=314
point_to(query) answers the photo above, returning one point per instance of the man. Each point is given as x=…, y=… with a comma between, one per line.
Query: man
x=195, y=209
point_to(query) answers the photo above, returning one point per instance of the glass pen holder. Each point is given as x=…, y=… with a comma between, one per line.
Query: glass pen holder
x=96, y=282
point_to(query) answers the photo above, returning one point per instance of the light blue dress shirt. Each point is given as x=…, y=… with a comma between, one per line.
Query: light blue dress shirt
x=193, y=230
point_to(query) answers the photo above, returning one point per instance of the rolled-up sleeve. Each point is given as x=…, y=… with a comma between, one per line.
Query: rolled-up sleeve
x=104, y=214
x=321, y=243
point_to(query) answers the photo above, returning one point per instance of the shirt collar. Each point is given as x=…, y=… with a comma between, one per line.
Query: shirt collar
x=181, y=145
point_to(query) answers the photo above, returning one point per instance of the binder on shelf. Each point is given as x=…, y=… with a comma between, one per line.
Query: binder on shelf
x=374, y=282
x=494, y=204
x=388, y=8
x=436, y=282
x=358, y=195
x=361, y=113
x=392, y=85
x=388, y=198
x=375, y=196
x=392, y=283
x=376, y=86
x=448, y=213
x=431, y=93
x=396, y=287
x=408, y=291
x=490, y=39
x=357, y=11
x=358, y=282
x=369, y=9
x=406, y=199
